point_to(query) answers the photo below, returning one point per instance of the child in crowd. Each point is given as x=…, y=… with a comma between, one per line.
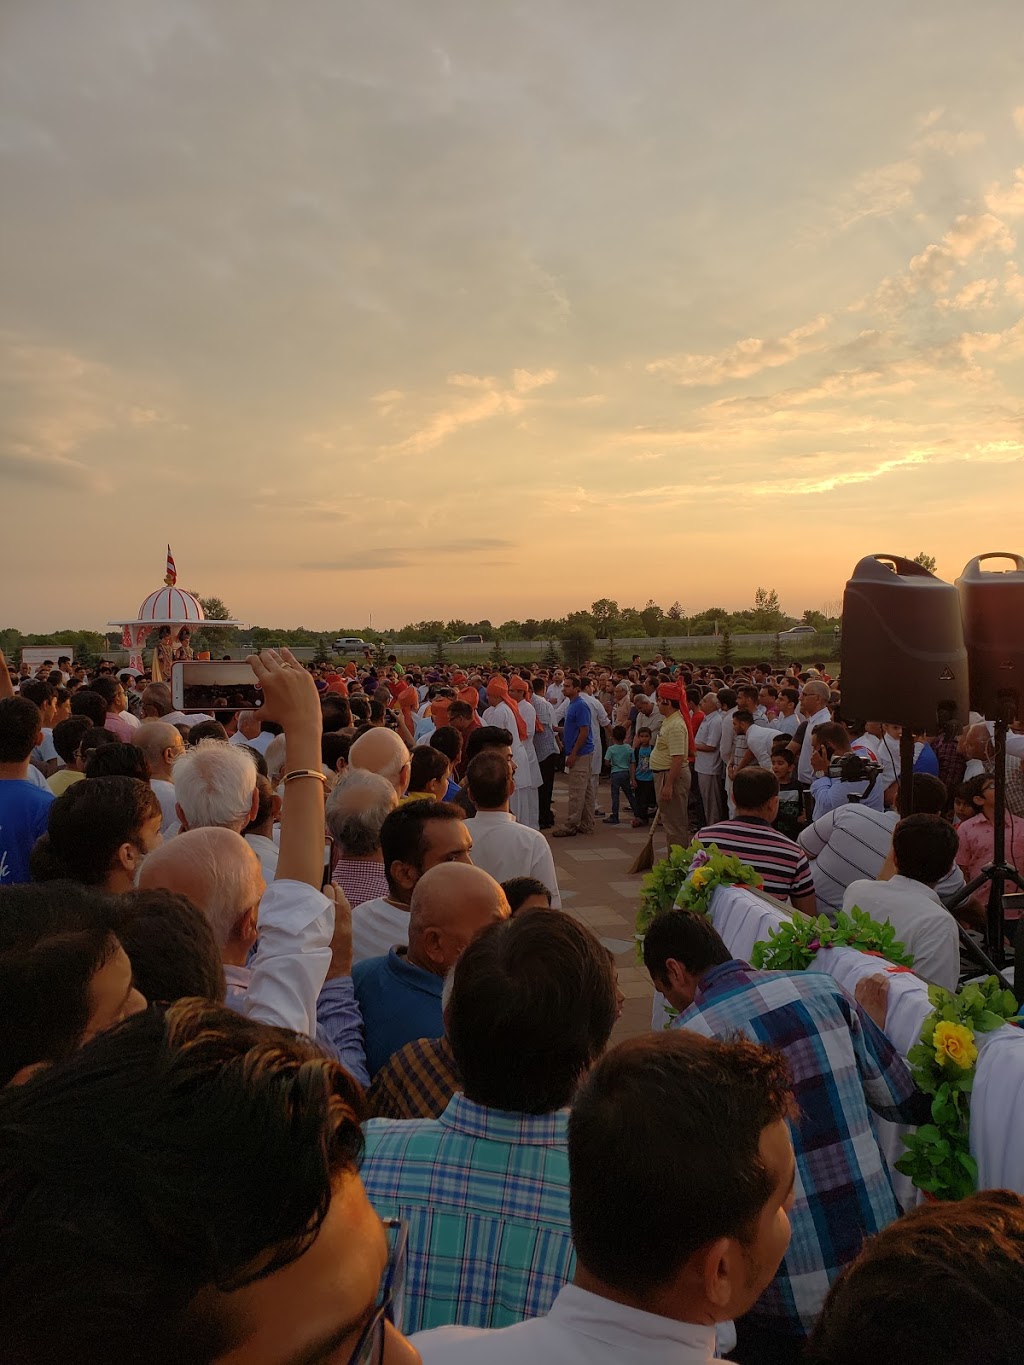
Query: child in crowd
x=790, y=819
x=643, y=778
x=428, y=775
x=620, y=760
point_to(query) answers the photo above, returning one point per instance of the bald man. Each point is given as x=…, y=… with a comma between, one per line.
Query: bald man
x=163, y=746
x=380, y=750
x=399, y=995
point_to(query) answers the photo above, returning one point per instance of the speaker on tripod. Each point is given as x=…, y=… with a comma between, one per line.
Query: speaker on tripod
x=903, y=655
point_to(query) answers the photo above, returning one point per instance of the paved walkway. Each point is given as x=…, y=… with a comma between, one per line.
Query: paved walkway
x=597, y=888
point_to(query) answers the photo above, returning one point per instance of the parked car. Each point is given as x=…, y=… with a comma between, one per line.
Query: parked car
x=347, y=644
x=803, y=629
x=470, y=640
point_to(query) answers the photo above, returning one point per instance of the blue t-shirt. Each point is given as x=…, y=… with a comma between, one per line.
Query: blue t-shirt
x=578, y=716
x=399, y=1003
x=620, y=756
x=928, y=762
x=24, y=811
x=643, y=763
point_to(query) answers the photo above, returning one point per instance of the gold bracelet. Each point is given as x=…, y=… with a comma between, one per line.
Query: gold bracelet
x=304, y=772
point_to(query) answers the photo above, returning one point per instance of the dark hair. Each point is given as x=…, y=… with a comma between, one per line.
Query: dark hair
x=924, y=847
x=88, y=702
x=929, y=795
x=447, y=741
x=336, y=712
x=208, y=729
x=487, y=778
x=35, y=690
x=833, y=735
x=228, y=1134
x=967, y=791
x=747, y=690
x=402, y=835
x=753, y=788
x=378, y=711
x=618, y=733
x=771, y=689
x=944, y=1282
x=68, y=735
x=742, y=715
x=95, y=737
x=53, y=940
x=791, y=694
x=519, y=889
x=726, y=698
x=460, y=710
x=487, y=737
x=90, y=822
x=649, y=1100
x=688, y=937
x=780, y=749
x=171, y=946
x=106, y=688
x=360, y=708
x=334, y=746
x=20, y=723
x=118, y=760
x=533, y=1005
x=426, y=765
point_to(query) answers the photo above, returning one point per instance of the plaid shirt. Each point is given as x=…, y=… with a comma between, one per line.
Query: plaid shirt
x=842, y=1067
x=361, y=879
x=416, y=1082
x=486, y=1196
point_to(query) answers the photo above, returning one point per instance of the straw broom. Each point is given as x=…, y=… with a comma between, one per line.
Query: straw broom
x=644, y=860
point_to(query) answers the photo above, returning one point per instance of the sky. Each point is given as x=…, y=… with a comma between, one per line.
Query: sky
x=444, y=308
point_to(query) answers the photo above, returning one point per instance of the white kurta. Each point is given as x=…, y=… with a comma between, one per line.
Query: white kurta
x=503, y=715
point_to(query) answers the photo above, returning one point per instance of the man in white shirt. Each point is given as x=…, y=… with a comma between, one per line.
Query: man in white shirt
x=708, y=760
x=814, y=710
x=853, y=842
x=250, y=732
x=922, y=846
x=163, y=746
x=787, y=722
x=601, y=720
x=502, y=846
x=413, y=839
x=648, y=717
x=652, y=1294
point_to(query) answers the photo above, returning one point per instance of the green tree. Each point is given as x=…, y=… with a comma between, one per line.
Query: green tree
x=550, y=659
x=214, y=608
x=651, y=617
x=778, y=657
x=675, y=612
x=767, y=614
x=531, y=628
x=439, y=654
x=323, y=653
x=926, y=561
x=577, y=645
x=611, y=654
x=604, y=617
x=724, y=653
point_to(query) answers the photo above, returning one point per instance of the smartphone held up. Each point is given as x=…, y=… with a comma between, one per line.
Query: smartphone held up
x=207, y=686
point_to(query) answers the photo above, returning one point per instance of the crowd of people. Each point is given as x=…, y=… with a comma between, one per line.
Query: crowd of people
x=302, y=1061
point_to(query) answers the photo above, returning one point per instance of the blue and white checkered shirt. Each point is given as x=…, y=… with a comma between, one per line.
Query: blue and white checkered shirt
x=486, y=1197
x=842, y=1068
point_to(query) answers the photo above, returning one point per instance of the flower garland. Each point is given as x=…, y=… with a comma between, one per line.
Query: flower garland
x=938, y=1158
x=794, y=945
x=687, y=879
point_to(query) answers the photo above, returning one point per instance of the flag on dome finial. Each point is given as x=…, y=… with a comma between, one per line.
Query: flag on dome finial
x=171, y=576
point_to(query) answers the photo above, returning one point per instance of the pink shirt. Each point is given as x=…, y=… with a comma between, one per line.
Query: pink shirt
x=977, y=837
x=118, y=727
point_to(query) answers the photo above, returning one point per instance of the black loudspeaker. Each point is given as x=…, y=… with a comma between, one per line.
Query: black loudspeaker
x=903, y=655
x=992, y=606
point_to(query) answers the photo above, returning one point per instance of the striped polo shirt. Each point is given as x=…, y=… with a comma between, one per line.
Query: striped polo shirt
x=782, y=864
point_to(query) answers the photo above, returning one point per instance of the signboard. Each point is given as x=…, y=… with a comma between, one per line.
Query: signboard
x=38, y=654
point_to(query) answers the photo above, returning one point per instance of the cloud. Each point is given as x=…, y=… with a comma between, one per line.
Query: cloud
x=933, y=268
x=976, y=295
x=1008, y=200
x=25, y=467
x=744, y=359
x=1018, y=118
x=410, y=556
x=493, y=399
x=879, y=192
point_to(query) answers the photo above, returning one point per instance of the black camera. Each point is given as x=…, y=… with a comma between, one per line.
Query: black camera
x=854, y=768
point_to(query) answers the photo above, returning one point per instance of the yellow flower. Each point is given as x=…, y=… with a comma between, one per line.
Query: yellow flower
x=699, y=879
x=955, y=1042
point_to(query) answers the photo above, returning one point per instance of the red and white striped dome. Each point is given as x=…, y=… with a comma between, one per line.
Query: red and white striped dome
x=171, y=605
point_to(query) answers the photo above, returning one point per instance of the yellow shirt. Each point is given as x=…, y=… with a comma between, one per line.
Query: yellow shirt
x=60, y=781
x=673, y=741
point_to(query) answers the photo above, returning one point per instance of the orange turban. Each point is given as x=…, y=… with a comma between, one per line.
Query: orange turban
x=498, y=687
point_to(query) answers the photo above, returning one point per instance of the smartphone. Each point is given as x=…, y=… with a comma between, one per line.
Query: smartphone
x=207, y=686
x=328, y=860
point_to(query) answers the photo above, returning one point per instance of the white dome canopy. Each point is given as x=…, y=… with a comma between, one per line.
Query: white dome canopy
x=171, y=605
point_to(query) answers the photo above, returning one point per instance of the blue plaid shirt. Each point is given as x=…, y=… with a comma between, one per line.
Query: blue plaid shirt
x=486, y=1196
x=842, y=1067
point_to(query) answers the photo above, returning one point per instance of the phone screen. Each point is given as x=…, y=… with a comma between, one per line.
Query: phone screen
x=201, y=686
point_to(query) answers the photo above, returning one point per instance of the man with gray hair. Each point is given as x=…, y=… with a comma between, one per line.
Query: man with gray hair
x=708, y=765
x=381, y=751
x=814, y=711
x=356, y=810
x=215, y=785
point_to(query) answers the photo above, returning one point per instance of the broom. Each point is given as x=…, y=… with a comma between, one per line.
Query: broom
x=644, y=860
